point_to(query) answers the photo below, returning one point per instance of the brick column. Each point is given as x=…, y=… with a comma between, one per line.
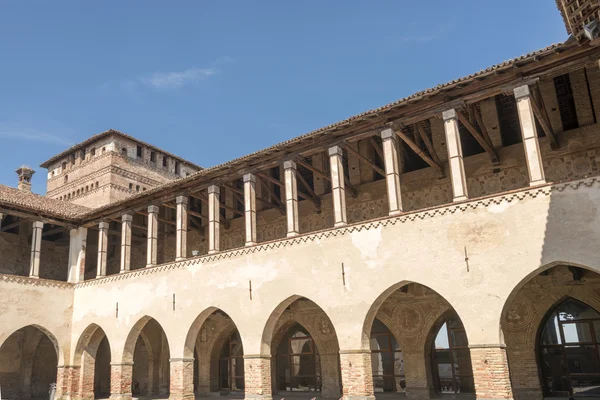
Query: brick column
x=455, y=156
x=214, y=215
x=182, y=222
x=533, y=157
x=490, y=372
x=120, y=381
x=257, y=377
x=102, y=249
x=36, y=249
x=415, y=368
x=152, y=247
x=126, y=220
x=77, y=246
x=392, y=171
x=250, y=208
x=357, y=376
x=67, y=382
x=291, y=198
x=182, y=378
x=338, y=186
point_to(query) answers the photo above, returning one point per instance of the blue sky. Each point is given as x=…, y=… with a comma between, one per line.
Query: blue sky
x=211, y=81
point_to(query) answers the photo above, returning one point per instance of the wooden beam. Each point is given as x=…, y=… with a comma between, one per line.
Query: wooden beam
x=304, y=162
x=314, y=198
x=364, y=159
x=378, y=149
x=201, y=196
x=14, y=224
x=35, y=216
x=419, y=130
x=478, y=136
x=539, y=111
x=241, y=192
x=53, y=231
x=479, y=120
x=402, y=135
x=271, y=194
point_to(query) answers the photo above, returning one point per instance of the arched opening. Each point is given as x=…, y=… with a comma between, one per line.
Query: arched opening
x=231, y=364
x=93, y=356
x=147, y=347
x=568, y=349
x=451, y=360
x=413, y=334
x=387, y=362
x=218, y=354
x=304, y=349
x=551, y=332
x=28, y=364
x=298, y=362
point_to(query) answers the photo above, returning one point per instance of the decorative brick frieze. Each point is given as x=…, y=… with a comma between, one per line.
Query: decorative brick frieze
x=24, y=280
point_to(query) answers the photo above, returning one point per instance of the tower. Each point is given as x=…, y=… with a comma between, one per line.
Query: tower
x=25, y=173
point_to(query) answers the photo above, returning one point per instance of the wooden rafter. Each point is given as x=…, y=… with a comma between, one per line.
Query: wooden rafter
x=406, y=139
x=419, y=130
x=378, y=149
x=241, y=193
x=201, y=196
x=479, y=119
x=302, y=161
x=539, y=111
x=14, y=224
x=478, y=136
x=272, y=195
x=314, y=198
x=53, y=231
x=364, y=159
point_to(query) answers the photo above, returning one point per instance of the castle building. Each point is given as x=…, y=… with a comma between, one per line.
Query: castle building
x=443, y=245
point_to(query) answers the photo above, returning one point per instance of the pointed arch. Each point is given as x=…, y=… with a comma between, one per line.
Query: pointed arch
x=92, y=355
x=312, y=318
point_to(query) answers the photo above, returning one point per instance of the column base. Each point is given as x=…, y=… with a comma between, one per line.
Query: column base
x=100, y=276
x=123, y=271
x=251, y=396
x=34, y=277
x=339, y=224
x=538, y=182
x=460, y=198
x=292, y=234
x=179, y=258
x=120, y=397
x=150, y=265
x=247, y=244
x=395, y=213
x=213, y=251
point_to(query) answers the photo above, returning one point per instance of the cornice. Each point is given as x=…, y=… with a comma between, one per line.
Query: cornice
x=433, y=212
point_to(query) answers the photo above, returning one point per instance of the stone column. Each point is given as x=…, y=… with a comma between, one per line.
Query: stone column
x=182, y=222
x=338, y=186
x=152, y=248
x=36, y=249
x=77, y=245
x=214, y=215
x=257, y=377
x=533, y=157
x=490, y=372
x=291, y=198
x=357, y=375
x=102, y=249
x=126, y=220
x=250, y=208
x=455, y=157
x=182, y=379
x=120, y=381
x=392, y=171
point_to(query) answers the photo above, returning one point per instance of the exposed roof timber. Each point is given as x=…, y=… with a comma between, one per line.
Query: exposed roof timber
x=478, y=136
x=406, y=139
x=481, y=85
x=35, y=215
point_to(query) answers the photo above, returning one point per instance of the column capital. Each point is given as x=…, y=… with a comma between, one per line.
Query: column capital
x=521, y=92
x=449, y=115
x=388, y=133
x=38, y=224
x=335, y=151
x=249, y=178
x=127, y=217
x=182, y=199
x=214, y=189
x=153, y=209
x=104, y=225
x=289, y=164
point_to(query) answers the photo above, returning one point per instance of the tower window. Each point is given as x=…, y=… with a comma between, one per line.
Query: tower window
x=165, y=162
x=176, y=167
x=137, y=188
x=139, y=151
x=93, y=151
x=64, y=165
x=66, y=178
x=566, y=102
x=82, y=155
x=131, y=186
x=124, y=151
x=152, y=157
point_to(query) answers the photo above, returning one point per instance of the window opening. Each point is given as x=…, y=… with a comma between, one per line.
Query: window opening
x=298, y=362
x=387, y=361
x=566, y=102
x=139, y=151
x=231, y=364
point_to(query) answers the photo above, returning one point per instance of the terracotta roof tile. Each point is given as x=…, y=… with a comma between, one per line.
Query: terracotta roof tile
x=34, y=202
